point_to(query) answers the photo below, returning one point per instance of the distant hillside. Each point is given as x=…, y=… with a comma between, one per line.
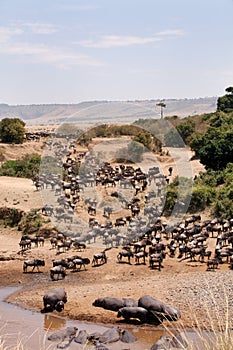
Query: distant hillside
x=106, y=111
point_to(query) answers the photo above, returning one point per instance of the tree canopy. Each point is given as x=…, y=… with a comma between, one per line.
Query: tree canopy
x=225, y=103
x=215, y=146
x=12, y=130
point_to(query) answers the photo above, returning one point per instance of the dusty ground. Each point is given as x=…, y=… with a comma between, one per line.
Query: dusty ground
x=179, y=283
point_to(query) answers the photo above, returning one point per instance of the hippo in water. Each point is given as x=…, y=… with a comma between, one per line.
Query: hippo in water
x=54, y=299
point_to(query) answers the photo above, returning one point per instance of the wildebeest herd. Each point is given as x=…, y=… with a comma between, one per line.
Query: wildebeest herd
x=188, y=241
x=141, y=197
x=140, y=234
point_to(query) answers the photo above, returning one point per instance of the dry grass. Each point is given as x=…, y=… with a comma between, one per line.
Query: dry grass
x=218, y=336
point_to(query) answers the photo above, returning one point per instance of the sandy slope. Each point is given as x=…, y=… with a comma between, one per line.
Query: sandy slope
x=19, y=193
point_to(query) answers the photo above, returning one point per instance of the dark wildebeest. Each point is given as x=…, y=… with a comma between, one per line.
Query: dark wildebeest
x=99, y=259
x=54, y=300
x=77, y=263
x=140, y=256
x=57, y=271
x=33, y=263
x=127, y=253
x=63, y=262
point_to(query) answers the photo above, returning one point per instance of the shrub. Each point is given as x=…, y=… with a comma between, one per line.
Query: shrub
x=31, y=222
x=202, y=196
x=12, y=130
x=25, y=167
x=10, y=216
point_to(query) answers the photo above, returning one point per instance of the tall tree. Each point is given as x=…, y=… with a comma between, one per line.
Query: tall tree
x=12, y=130
x=225, y=103
x=162, y=105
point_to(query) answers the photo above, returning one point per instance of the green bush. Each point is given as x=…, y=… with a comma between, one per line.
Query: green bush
x=202, y=197
x=25, y=167
x=10, y=216
x=31, y=222
x=12, y=130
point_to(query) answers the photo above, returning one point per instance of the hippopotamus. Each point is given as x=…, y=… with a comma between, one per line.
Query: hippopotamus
x=114, y=304
x=171, y=313
x=178, y=341
x=54, y=299
x=133, y=312
x=127, y=337
x=64, y=336
x=63, y=333
x=158, y=310
x=81, y=337
x=111, y=335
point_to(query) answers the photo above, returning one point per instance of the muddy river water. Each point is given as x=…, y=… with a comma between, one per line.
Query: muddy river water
x=31, y=329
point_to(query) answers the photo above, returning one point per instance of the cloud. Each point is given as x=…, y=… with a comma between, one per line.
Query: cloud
x=171, y=32
x=40, y=53
x=108, y=41
x=40, y=28
x=76, y=7
x=6, y=33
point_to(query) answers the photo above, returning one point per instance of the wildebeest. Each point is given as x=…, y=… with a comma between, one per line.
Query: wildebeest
x=58, y=271
x=33, y=263
x=155, y=260
x=54, y=300
x=127, y=253
x=140, y=255
x=77, y=263
x=63, y=262
x=212, y=264
x=99, y=258
x=25, y=244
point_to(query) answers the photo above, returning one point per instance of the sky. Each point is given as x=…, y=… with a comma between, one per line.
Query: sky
x=70, y=51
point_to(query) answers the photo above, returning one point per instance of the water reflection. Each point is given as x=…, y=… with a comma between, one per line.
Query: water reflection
x=52, y=322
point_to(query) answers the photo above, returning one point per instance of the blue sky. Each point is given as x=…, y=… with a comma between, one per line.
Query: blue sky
x=69, y=51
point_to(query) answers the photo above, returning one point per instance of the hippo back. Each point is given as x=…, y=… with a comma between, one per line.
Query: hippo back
x=171, y=313
x=109, y=303
x=151, y=304
x=130, y=302
x=53, y=296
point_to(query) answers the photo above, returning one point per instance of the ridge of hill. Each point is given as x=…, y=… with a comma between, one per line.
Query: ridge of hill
x=106, y=111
